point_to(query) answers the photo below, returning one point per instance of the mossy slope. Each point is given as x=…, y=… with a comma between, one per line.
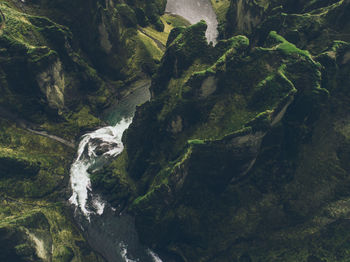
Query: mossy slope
x=61, y=64
x=241, y=153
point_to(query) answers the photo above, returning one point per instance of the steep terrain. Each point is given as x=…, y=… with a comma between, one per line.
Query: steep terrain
x=242, y=153
x=61, y=64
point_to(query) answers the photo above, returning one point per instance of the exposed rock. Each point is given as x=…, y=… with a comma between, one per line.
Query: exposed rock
x=176, y=125
x=52, y=84
x=101, y=146
x=242, y=154
x=208, y=87
x=262, y=142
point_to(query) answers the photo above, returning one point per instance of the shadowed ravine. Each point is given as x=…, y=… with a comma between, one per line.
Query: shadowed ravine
x=241, y=152
x=111, y=234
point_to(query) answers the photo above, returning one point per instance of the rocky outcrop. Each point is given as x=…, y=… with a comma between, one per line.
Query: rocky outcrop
x=61, y=64
x=244, y=16
x=51, y=83
x=312, y=26
x=42, y=234
x=58, y=56
x=194, y=11
x=241, y=153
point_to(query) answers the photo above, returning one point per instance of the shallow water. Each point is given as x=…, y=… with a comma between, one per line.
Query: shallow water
x=194, y=11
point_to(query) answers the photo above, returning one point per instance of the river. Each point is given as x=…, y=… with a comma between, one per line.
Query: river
x=110, y=233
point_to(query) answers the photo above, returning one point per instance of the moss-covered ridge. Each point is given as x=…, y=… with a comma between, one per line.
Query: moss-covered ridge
x=35, y=223
x=222, y=138
x=311, y=25
x=40, y=231
x=103, y=29
x=39, y=71
x=57, y=69
x=57, y=73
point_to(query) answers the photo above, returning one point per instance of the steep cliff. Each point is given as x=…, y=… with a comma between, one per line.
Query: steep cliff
x=73, y=52
x=61, y=64
x=241, y=155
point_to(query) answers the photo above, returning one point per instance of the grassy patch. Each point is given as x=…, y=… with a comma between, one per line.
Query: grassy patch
x=196, y=142
x=75, y=123
x=47, y=159
x=151, y=46
x=48, y=222
x=286, y=47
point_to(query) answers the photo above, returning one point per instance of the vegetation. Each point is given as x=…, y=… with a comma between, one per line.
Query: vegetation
x=242, y=141
x=242, y=154
x=53, y=87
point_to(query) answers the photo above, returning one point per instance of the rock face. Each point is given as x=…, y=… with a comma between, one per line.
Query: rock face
x=42, y=234
x=244, y=16
x=61, y=63
x=59, y=56
x=52, y=84
x=241, y=155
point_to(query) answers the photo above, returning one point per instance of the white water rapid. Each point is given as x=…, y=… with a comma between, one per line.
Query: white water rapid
x=194, y=11
x=109, y=141
x=108, y=231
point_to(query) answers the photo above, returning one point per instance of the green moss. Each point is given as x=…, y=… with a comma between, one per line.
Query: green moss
x=201, y=150
x=114, y=182
x=29, y=32
x=224, y=117
x=220, y=8
x=196, y=142
x=174, y=21
x=176, y=88
x=40, y=163
x=64, y=254
x=83, y=118
x=285, y=47
x=272, y=90
x=150, y=47
x=169, y=21
x=74, y=123
x=128, y=15
x=48, y=223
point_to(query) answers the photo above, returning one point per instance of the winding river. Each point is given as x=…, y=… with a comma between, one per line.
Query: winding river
x=110, y=233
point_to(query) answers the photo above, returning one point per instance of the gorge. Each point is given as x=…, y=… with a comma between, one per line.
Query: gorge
x=174, y=131
x=118, y=234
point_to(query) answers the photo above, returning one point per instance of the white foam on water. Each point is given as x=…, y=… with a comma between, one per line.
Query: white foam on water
x=94, y=149
x=154, y=256
x=86, y=157
x=124, y=253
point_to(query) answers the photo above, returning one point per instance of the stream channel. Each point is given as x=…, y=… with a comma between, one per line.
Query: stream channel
x=113, y=234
